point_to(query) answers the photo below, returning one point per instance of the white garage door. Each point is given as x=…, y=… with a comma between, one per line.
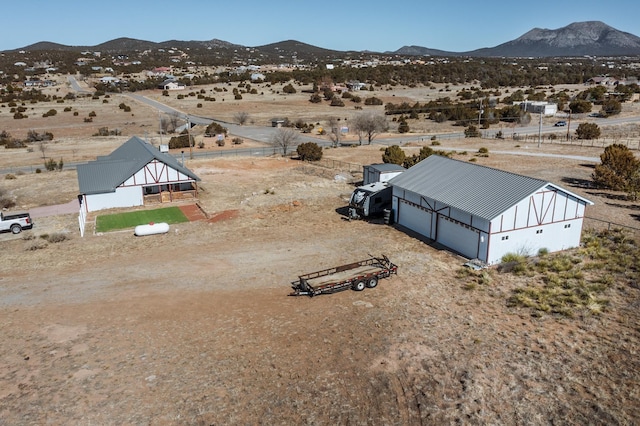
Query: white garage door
x=415, y=218
x=457, y=237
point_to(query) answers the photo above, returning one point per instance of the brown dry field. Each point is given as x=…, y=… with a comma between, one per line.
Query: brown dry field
x=195, y=326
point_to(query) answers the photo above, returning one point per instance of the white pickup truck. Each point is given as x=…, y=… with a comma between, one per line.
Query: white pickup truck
x=15, y=221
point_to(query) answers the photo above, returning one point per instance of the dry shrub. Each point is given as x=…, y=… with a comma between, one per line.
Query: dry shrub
x=6, y=202
x=34, y=245
x=56, y=237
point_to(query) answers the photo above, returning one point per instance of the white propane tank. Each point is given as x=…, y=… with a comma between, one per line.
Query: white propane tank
x=151, y=229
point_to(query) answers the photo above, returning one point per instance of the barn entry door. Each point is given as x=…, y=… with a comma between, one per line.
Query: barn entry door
x=415, y=218
x=458, y=237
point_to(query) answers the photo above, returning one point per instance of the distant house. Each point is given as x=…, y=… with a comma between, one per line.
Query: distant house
x=135, y=174
x=257, y=76
x=602, y=80
x=484, y=213
x=171, y=85
x=109, y=80
x=38, y=83
x=161, y=70
x=277, y=122
x=355, y=85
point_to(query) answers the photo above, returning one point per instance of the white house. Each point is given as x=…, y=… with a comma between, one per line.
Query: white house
x=171, y=85
x=134, y=174
x=484, y=213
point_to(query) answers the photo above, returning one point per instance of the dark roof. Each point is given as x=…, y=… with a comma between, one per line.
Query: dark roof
x=478, y=190
x=108, y=172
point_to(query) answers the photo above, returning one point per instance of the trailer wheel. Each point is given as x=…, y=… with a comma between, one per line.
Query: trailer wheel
x=359, y=285
x=373, y=282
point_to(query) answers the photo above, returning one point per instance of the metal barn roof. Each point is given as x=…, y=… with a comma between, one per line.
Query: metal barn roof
x=107, y=172
x=479, y=190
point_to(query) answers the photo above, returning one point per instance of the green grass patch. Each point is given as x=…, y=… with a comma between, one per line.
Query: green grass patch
x=113, y=222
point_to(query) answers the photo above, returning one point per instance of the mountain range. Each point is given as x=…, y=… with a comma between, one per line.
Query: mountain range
x=590, y=38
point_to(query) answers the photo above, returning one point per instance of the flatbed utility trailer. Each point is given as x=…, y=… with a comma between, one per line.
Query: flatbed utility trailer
x=356, y=276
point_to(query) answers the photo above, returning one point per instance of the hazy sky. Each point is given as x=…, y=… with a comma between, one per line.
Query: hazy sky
x=341, y=25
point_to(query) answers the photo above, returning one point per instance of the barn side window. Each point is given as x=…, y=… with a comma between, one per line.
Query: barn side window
x=539, y=231
x=505, y=237
x=568, y=225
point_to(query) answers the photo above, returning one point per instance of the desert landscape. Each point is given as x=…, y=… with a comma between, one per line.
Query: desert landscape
x=196, y=327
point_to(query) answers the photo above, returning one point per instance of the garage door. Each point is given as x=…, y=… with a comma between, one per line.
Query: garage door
x=458, y=237
x=415, y=218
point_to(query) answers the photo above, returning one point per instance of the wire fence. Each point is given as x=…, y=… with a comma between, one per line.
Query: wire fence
x=605, y=225
x=630, y=141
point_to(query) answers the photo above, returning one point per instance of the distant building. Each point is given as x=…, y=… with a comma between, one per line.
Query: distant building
x=171, y=85
x=539, y=107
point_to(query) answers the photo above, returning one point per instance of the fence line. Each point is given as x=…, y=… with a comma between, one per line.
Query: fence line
x=630, y=142
x=605, y=224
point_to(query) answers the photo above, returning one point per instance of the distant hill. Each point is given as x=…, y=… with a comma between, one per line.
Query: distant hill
x=578, y=39
x=593, y=38
x=423, y=51
x=293, y=47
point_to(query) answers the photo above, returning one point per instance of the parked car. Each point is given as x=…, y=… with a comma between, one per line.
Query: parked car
x=15, y=221
x=560, y=124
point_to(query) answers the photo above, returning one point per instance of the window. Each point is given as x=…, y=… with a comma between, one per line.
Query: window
x=505, y=237
x=539, y=231
x=568, y=225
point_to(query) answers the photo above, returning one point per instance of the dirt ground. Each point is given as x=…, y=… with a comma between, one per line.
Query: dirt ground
x=196, y=326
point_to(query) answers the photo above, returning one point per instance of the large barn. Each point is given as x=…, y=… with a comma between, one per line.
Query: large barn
x=484, y=213
x=134, y=174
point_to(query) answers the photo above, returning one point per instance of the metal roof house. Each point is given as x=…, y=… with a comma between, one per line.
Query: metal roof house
x=484, y=213
x=134, y=174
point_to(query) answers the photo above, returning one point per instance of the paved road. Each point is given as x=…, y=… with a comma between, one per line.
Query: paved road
x=76, y=86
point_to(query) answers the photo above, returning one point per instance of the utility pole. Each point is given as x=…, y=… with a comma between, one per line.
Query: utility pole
x=540, y=130
x=189, y=138
x=160, y=125
x=568, y=126
x=479, y=113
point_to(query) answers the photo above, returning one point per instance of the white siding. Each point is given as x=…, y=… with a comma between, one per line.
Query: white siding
x=528, y=241
x=371, y=175
x=123, y=197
